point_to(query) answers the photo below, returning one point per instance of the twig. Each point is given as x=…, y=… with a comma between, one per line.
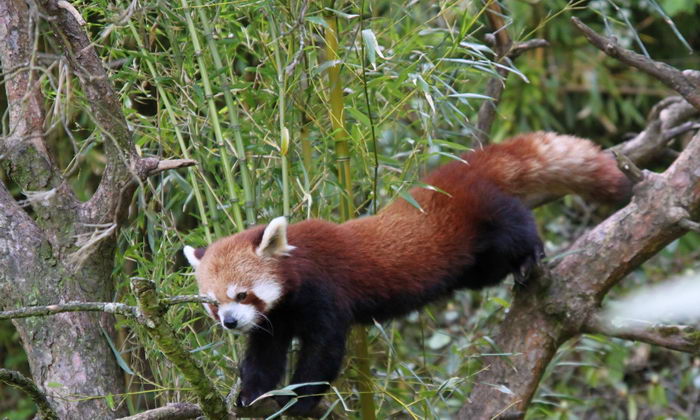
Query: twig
x=670, y=76
x=109, y=307
x=674, y=132
x=168, y=164
x=69, y=7
x=152, y=166
x=172, y=411
x=17, y=380
x=522, y=47
x=676, y=337
x=629, y=168
x=505, y=52
x=690, y=225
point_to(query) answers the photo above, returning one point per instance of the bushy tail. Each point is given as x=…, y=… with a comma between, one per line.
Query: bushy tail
x=533, y=164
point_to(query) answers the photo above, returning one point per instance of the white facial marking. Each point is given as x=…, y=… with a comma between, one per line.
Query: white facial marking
x=189, y=253
x=268, y=291
x=233, y=290
x=245, y=315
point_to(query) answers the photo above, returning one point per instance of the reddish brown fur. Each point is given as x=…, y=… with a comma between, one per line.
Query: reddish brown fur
x=327, y=276
x=404, y=250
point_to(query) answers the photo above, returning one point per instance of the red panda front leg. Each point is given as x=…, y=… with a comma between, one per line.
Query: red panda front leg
x=320, y=359
x=264, y=362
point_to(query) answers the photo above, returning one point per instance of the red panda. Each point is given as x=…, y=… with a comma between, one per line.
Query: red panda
x=314, y=279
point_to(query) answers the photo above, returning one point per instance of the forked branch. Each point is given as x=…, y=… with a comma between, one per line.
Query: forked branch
x=668, y=75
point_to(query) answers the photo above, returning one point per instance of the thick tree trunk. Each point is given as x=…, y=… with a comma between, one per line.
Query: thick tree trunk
x=69, y=356
x=68, y=353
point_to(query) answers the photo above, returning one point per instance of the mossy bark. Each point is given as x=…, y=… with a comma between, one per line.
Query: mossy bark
x=69, y=355
x=153, y=311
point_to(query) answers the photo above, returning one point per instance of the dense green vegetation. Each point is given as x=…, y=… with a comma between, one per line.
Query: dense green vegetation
x=243, y=88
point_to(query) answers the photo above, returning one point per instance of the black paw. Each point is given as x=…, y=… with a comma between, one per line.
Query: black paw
x=246, y=397
x=530, y=265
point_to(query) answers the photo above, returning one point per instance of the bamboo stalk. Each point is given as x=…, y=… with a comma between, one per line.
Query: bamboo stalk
x=284, y=131
x=178, y=134
x=214, y=116
x=342, y=151
x=306, y=146
x=249, y=204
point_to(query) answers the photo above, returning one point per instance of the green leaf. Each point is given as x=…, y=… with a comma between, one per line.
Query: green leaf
x=318, y=20
x=110, y=401
x=408, y=197
x=502, y=302
x=469, y=96
x=341, y=14
x=372, y=47
x=120, y=360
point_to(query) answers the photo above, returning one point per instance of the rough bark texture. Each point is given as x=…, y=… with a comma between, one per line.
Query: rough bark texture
x=565, y=301
x=541, y=317
x=52, y=256
x=67, y=349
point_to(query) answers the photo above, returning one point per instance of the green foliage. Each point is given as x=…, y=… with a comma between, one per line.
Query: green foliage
x=423, y=76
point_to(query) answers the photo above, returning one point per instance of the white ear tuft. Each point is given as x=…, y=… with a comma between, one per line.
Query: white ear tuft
x=274, y=240
x=191, y=256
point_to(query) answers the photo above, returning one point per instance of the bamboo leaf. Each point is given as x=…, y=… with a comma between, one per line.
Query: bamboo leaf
x=120, y=360
x=342, y=14
x=412, y=201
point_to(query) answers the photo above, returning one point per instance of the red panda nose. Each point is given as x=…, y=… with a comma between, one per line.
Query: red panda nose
x=230, y=323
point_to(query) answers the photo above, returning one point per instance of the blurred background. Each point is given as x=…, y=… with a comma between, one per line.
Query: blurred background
x=412, y=77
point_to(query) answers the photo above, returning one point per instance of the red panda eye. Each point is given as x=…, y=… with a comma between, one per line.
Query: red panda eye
x=241, y=296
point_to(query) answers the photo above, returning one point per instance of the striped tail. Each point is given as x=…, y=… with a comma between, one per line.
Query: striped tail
x=530, y=165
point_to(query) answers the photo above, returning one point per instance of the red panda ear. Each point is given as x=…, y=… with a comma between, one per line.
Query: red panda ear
x=274, y=239
x=194, y=255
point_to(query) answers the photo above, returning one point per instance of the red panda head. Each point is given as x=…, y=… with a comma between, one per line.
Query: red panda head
x=241, y=272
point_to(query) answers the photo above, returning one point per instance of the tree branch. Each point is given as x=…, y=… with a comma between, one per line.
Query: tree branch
x=162, y=333
x=113, y=194
x=561, y=302
x=108, y=307
x=668, y=75
x=675, y=337
x=505, y=52
x=23, y=153
x=17, y=380
x=172, y=411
